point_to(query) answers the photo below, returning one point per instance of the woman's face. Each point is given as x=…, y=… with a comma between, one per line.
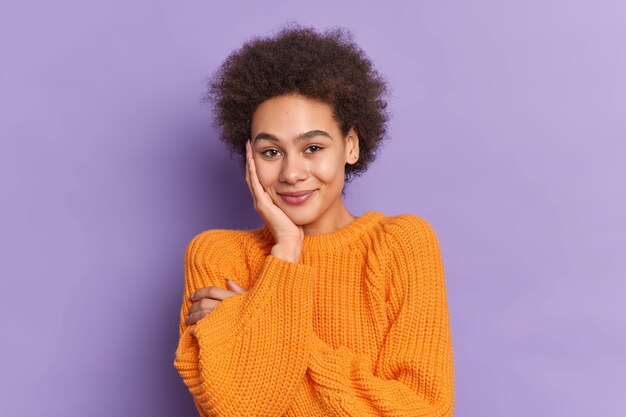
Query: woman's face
x=298, y=146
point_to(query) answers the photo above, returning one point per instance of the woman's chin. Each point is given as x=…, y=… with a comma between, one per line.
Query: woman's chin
x=300, y=216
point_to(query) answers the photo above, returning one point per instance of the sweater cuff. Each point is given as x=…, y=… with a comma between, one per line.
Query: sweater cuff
x=281, y=278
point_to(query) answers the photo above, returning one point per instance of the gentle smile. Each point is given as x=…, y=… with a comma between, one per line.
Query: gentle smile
x=296, y=197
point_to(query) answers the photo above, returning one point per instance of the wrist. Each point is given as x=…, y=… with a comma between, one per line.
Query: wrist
x=288, y=252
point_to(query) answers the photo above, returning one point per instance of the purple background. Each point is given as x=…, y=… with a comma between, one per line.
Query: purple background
x=507, y=135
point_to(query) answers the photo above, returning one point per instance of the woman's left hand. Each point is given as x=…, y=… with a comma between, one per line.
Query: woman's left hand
x=206, y=299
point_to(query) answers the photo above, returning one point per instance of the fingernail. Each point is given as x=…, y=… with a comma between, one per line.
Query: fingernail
x=191, y=295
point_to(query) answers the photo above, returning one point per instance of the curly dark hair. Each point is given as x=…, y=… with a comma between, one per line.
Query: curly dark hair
x=325, y=66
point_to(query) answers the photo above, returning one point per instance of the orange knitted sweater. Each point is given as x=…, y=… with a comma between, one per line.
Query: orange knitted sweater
x=359, y=327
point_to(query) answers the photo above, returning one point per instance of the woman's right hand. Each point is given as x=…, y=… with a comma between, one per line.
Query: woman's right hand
x=206, y=299
x=287, y=235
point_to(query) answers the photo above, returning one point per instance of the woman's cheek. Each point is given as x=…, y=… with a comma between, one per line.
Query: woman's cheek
x=265, y=176
x=326, y=170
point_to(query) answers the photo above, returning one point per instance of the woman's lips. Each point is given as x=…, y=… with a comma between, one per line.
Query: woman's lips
x=297, y=199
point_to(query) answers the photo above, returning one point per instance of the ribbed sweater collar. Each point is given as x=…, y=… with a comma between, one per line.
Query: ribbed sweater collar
x=340, y=237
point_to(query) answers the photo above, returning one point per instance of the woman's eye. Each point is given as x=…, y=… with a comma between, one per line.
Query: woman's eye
x=269, y=150
x=314, y=146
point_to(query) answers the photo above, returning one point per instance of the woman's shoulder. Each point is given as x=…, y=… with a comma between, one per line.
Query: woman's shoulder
x=410, y=234
x=231, y=243
x=407, y=225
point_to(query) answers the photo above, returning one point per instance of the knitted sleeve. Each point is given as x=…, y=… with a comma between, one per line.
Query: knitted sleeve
x=414, y=374
x=249, y=354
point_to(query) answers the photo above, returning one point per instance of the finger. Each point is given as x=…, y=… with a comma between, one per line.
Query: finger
x=204, y=303
x=257, y=189
x=232, y=284
x=254, y=179
x=247, y=164
x=248, y=169
x=236, y=287
x=195, y=317
x=217, y=293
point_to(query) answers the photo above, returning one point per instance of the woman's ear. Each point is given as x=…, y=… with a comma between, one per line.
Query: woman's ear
x=352, y=146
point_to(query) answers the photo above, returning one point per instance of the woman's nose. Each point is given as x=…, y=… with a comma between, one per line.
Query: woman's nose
x=294, y=168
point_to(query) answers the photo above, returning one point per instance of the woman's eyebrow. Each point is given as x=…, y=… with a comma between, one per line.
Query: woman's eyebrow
x=300, y=137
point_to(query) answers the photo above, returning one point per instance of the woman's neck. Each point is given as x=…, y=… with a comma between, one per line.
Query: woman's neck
x=333, y=219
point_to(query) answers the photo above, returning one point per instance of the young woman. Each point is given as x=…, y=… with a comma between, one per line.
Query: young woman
x=318, y=312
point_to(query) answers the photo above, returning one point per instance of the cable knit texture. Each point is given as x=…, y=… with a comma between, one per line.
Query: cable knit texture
x=359, y=327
